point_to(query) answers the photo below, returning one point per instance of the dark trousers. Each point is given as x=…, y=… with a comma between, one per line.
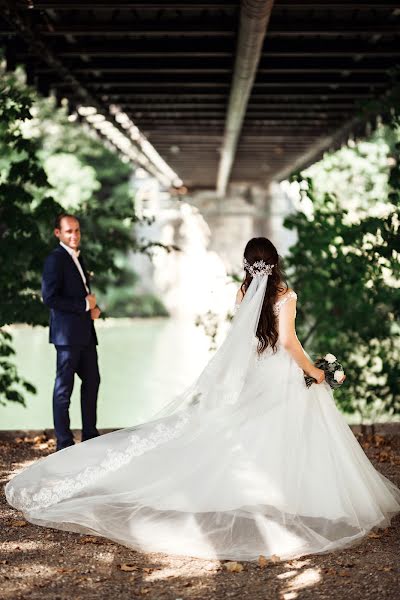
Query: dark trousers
x=81, y=360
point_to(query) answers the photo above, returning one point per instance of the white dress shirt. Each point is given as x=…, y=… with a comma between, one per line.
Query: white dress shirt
x=74, y=255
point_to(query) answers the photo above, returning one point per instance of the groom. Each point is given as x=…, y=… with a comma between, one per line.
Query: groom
x=66, y=291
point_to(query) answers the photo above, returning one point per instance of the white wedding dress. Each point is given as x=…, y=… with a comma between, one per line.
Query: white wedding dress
x=248, y=462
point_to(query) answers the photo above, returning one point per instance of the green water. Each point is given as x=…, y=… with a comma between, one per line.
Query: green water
x=143, y=365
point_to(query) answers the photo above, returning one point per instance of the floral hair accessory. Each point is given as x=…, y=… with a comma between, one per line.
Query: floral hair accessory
x=258, y=268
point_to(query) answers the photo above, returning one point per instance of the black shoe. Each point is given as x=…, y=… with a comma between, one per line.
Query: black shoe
x=84, y=438
x=64, y=446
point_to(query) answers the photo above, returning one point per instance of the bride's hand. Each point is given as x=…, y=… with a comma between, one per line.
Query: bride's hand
x=317, y=374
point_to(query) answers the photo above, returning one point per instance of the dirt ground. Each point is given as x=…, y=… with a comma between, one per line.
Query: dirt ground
x=37, y=563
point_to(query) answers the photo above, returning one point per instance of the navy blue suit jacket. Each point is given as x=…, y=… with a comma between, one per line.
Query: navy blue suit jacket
x=64, y=292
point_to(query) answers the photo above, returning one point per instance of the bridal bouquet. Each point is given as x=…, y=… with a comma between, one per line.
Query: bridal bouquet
x=333, y=371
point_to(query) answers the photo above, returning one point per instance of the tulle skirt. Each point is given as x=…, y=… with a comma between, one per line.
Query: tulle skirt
x=278, y=473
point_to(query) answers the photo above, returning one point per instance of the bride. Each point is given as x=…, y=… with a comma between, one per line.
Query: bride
x=248, y=461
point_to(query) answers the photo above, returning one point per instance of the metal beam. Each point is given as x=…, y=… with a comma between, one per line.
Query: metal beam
x=201, y=4
x=269, y=64
x=276, y=74
x=294, y=97
x=39, y=48
x=127, y=5
x=254, y=18
x=353, y=127
x=193, y=113
x=322, y=84
x=195, y=27
x=198, y=47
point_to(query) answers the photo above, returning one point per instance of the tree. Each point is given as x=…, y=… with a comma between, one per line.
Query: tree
x=25, y=210
x=345, y=266
x=347, y=272
x=29, y=204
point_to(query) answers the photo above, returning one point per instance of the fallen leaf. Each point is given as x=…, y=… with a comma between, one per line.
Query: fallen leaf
x=275, y=558
x=374, y=535
x=297, y=564
x=344, y=573
x=262, y=561
x=379, y=440
x=383, y=456
x=65, y=570
x=233, y=567
x=19, y=523
x=147, y=569
x=128, y=567
x=90, y=539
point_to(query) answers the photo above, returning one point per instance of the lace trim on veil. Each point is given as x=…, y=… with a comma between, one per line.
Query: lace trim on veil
x=26, y=500
x=214, y=387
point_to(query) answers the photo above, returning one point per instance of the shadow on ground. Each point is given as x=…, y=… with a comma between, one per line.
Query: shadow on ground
x=40, y=563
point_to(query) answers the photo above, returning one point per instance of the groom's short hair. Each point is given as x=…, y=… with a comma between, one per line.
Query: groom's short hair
x=60, y=217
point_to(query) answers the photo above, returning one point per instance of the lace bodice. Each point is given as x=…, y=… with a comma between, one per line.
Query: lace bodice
x=277, y=305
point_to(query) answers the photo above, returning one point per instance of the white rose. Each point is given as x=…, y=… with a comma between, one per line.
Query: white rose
x=330, y=358
x=338, y=376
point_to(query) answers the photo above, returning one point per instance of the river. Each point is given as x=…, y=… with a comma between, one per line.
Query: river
x=144, y=363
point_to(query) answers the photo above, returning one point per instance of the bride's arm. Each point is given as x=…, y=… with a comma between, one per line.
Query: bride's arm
x=239, y=296
x=289, y=340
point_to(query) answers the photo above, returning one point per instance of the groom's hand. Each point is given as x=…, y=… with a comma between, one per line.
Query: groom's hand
x=91, y=298
x=95, y=313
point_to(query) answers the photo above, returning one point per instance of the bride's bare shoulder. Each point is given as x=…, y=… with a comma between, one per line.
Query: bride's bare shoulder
x=283, y=294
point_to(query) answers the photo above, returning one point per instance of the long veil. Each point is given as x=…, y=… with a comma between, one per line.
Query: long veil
x=247, y=461
x=217, y=389
x=221, y=381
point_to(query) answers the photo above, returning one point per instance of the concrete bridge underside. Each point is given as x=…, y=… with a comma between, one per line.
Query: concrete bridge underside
x=229, y=93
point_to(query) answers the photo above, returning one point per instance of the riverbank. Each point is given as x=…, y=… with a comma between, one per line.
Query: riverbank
x=38, y=563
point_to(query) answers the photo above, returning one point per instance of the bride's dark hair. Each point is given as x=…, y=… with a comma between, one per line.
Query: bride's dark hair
x=261, y=248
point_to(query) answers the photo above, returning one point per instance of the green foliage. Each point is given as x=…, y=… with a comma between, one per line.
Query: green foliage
x=345, y=266
x=25, y=210
x=210, y=324
x=12, y=386
x=356, y=174
x=95, y=186
x=123, y=303
x=89, y=180
x=346, y=271
x=94, y=183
